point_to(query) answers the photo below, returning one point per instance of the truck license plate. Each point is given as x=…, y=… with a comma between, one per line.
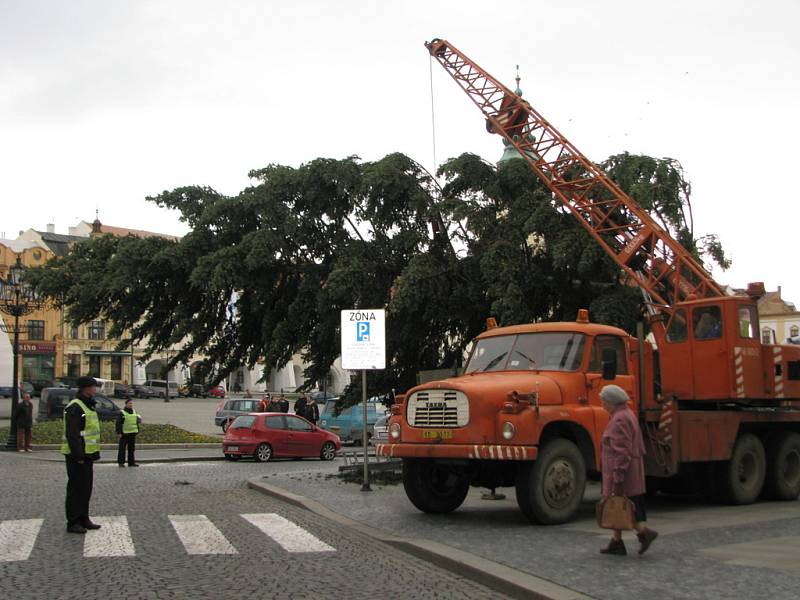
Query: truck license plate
x=438, y=434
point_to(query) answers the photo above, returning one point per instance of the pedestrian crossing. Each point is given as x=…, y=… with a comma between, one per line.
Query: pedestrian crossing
x=198, y=535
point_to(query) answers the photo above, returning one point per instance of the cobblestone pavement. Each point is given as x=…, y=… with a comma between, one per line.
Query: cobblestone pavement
x=193, y=530
x=704, y=551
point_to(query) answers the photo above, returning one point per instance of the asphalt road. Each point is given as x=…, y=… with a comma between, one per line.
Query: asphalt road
x=192, y=414
x=193, y=530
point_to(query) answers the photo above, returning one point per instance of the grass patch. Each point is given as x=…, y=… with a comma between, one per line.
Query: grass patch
x=49, y=432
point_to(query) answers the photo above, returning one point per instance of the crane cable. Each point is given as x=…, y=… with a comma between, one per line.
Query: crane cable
x=433, y=117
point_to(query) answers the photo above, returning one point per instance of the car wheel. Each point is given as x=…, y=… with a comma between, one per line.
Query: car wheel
x=263, y=453
x=328, y=451
x=225, y=425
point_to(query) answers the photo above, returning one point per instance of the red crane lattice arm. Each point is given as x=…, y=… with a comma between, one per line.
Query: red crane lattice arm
x=639, y=245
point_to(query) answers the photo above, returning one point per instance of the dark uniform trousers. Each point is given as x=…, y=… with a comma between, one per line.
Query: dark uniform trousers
x=79, y=490
x=126, y=440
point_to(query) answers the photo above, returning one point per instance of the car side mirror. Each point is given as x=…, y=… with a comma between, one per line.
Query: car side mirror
x=609, y=363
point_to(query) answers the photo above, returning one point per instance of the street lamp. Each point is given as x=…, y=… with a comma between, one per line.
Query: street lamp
x=17, y=299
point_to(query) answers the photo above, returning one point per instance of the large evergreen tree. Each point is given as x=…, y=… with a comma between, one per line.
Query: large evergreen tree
x=301, y=244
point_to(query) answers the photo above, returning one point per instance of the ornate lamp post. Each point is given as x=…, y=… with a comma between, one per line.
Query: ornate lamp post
x=17, y=299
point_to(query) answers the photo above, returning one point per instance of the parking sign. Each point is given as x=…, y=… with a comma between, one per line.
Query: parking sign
x=364, y=339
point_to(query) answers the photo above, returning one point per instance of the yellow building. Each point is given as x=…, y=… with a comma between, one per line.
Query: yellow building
x=41, y=342
x=779, y=319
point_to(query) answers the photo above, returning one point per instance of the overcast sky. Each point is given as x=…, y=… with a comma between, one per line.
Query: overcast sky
x=104, y=103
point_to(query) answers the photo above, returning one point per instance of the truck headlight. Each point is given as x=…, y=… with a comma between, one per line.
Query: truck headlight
x=508, y=430
x=394, y=430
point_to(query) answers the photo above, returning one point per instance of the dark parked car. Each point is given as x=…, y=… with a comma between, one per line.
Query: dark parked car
x=267, y=435
x=25, y=388
x=123, y=391
x=143, y=391
x=53, y=401
x=196, y=390
x=231, y=409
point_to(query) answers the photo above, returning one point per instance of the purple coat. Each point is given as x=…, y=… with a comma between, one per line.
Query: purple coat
x=623, y=455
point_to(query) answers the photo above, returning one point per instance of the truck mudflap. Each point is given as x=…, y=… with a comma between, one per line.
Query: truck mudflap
x=470, y=451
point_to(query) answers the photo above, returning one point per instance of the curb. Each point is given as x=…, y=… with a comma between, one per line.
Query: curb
x=498, y=577
x=141, y=446
x=143, y=461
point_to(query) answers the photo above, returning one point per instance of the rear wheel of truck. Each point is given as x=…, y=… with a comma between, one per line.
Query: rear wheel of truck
x=783, y=467
x=740, y=479
x=550, y=489
x=433, y=488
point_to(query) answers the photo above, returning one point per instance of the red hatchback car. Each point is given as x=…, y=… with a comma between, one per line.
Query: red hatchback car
x=267, y=435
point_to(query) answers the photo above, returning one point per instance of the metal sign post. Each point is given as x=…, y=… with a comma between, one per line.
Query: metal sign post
x=364, y=348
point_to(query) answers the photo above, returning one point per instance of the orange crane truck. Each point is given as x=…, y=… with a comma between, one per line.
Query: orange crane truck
x=716, y=405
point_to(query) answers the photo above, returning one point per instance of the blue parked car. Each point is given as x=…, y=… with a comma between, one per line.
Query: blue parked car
x=349, y=424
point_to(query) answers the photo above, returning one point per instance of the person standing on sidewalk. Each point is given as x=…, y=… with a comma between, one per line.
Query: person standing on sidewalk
x=24, y=424
x=80, y=445
x=128, y=423
x=312, y=411
x=623, y=466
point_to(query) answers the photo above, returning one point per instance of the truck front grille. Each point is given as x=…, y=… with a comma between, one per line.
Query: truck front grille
x=438, y=408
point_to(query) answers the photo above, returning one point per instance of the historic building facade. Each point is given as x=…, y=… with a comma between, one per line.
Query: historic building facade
x=779, y=318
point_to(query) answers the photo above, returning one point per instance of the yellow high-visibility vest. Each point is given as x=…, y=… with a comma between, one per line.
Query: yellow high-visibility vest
x=90, y=432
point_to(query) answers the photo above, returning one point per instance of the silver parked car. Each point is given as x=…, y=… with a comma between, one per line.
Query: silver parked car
x=231, y=409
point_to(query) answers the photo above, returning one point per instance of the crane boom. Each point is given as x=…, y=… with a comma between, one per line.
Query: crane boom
x=663, y=268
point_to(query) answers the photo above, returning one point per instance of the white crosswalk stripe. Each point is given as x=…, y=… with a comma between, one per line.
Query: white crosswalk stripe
x=112, y=539
x=290, y=536
x=17, y=538
x=200, y=536
x=197, y=534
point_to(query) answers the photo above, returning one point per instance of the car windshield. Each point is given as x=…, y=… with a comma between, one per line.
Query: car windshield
x=550, y=351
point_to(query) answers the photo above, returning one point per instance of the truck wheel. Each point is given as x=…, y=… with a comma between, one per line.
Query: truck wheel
x=550, y=489
x=432, y=488
x=740, y=479
x=783, y=467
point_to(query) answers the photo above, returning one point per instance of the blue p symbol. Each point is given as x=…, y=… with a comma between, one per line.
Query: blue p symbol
x=362, y=331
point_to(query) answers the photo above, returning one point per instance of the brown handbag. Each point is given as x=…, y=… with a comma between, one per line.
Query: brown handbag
x=615, y=512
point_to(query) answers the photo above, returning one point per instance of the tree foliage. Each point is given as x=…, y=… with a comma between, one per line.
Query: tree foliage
x=301, y=244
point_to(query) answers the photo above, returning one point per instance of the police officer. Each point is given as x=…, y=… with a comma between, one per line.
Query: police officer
x=80, y=445
x=127, y=427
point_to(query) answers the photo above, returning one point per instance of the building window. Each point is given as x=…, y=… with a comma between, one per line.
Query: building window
x=94, y=366
x=794, y=331
x=73, y=332
x=97, y=330
x=766, y=335
x=116, y=367
x=73, y=365
x=35, y=330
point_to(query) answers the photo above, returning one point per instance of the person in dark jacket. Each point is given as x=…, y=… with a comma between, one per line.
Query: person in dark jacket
x=300, y=406
x=24, y=424
x=128, y=423
x=81, y=448
x=312, y=411
x=283, y=404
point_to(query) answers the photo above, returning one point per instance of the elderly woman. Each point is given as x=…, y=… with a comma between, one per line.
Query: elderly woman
x=623, y=466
